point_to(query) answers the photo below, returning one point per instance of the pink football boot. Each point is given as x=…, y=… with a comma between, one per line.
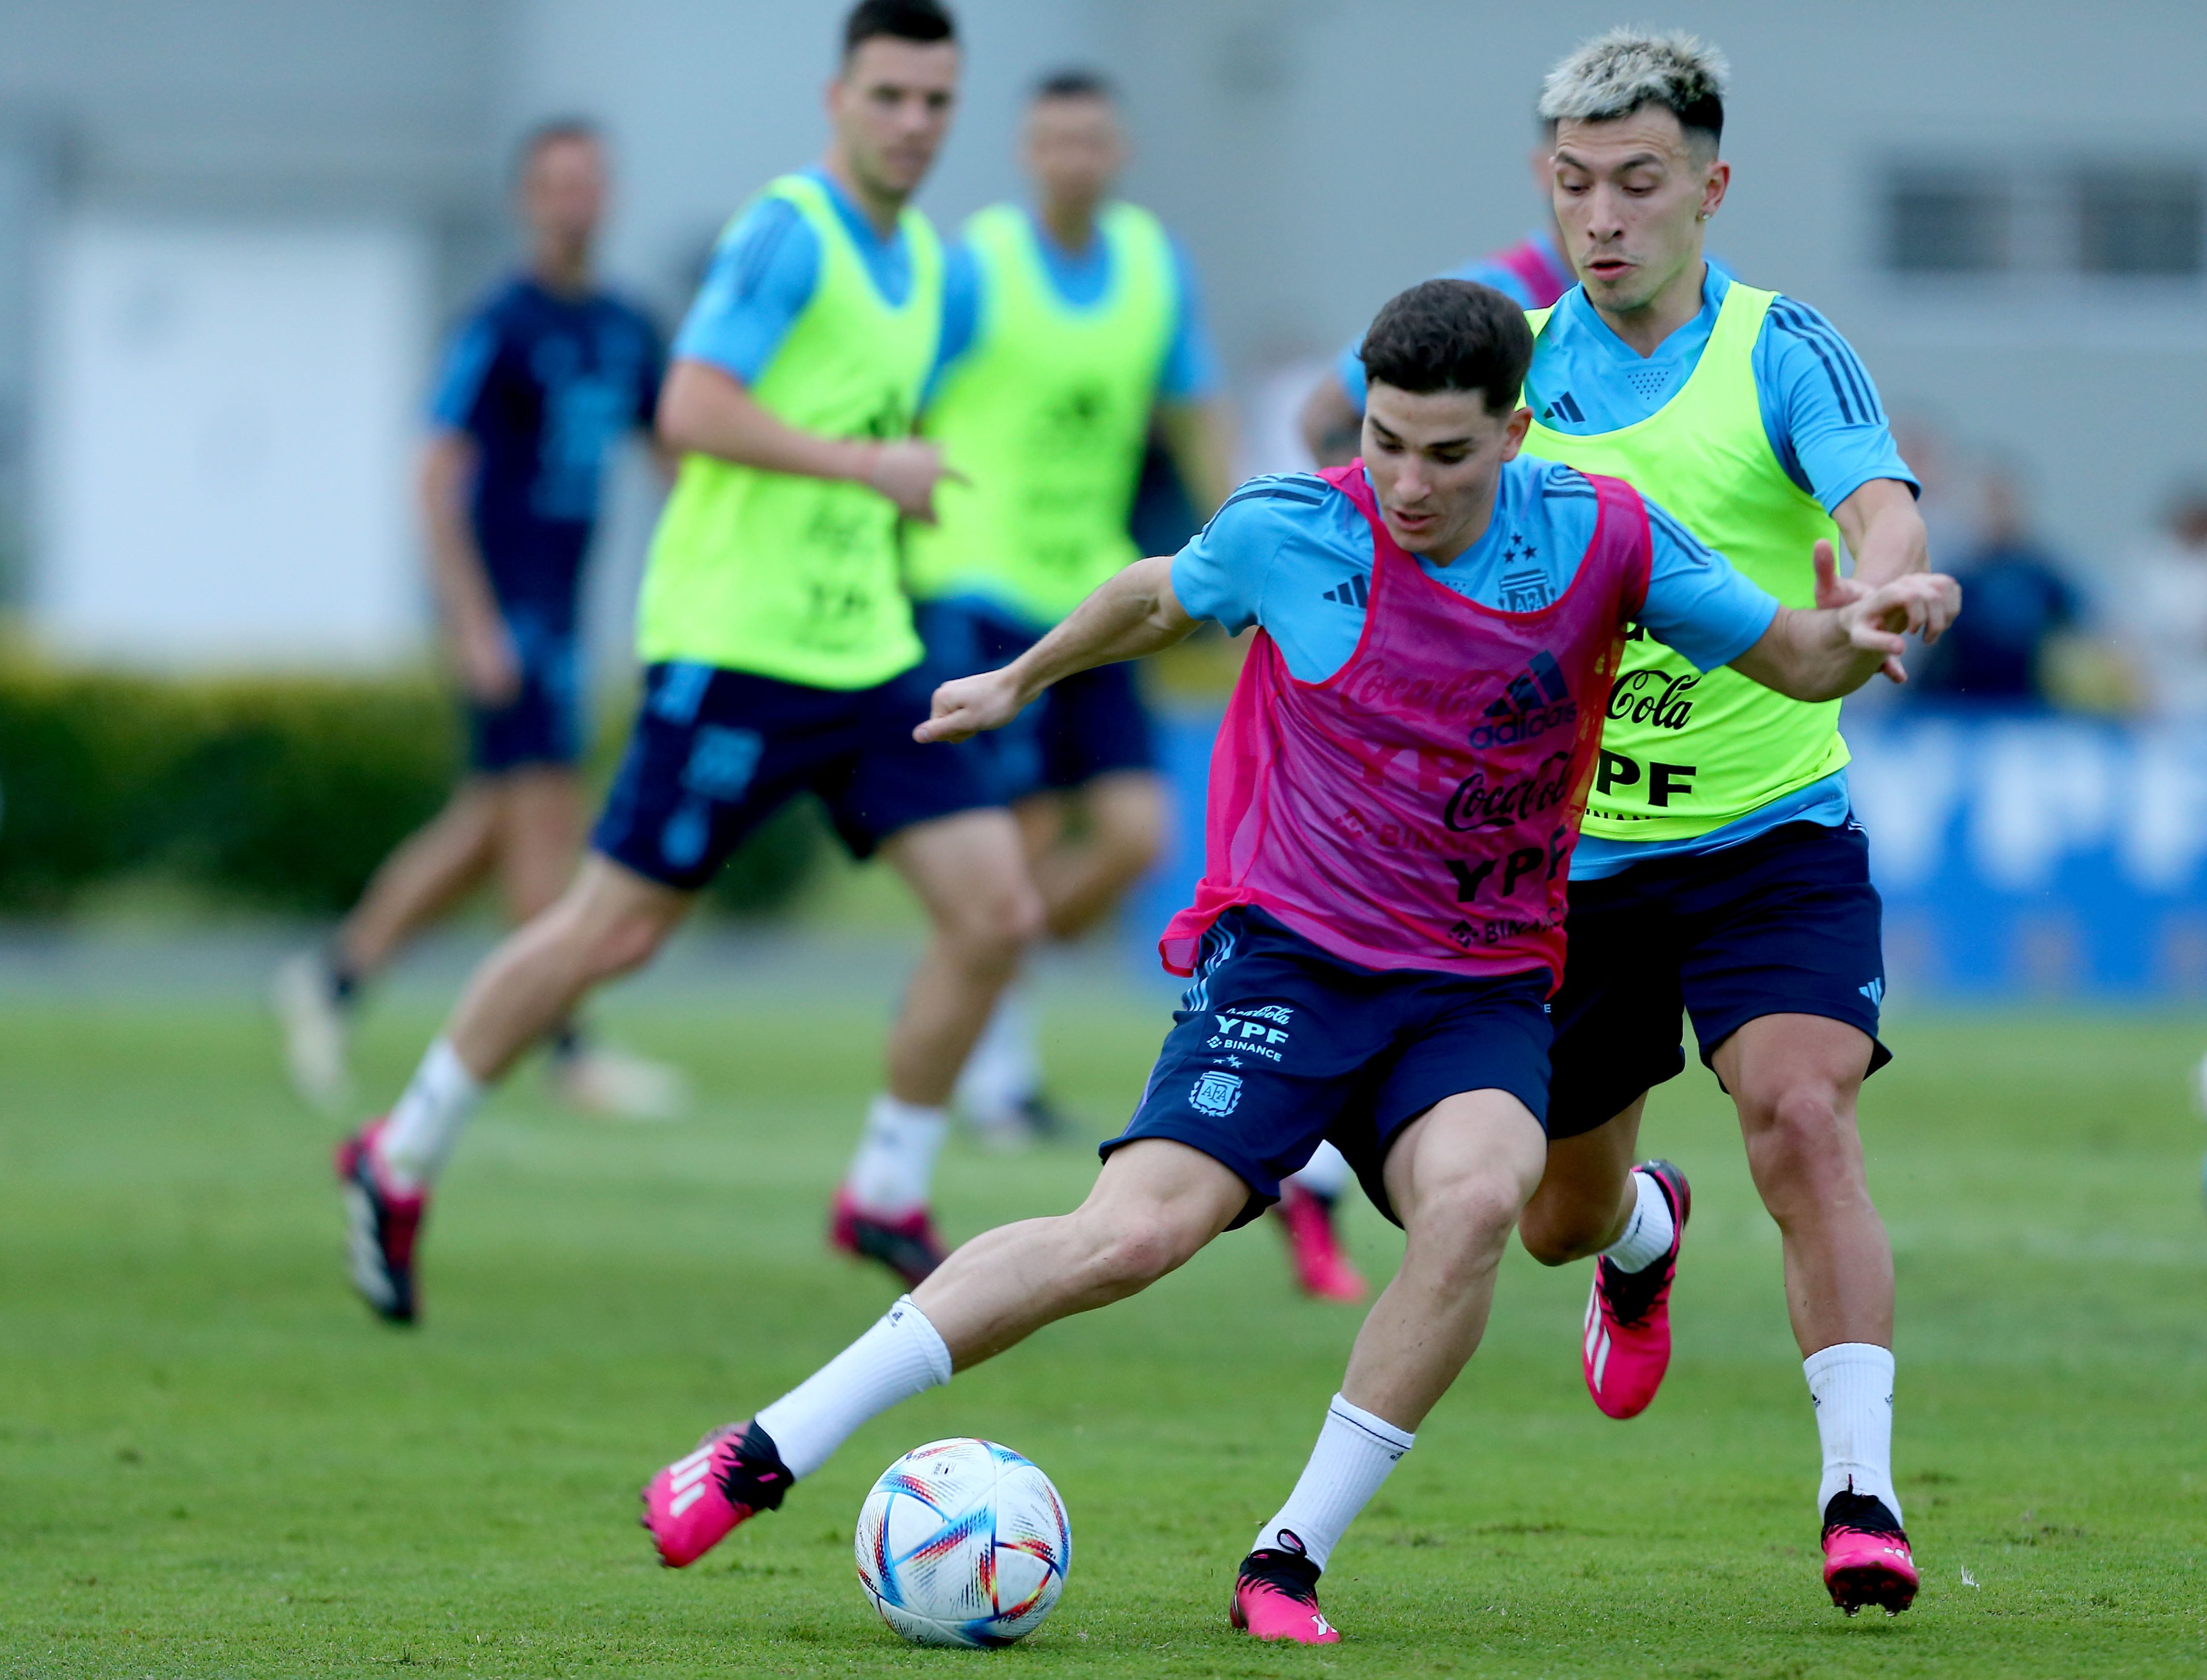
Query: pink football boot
x=1275, y=1596
x=1321, y=1268
x=1866, y=1556
x=906, y=1245
x=690, y=1506
x=1628, y=1321
x=381, y=1222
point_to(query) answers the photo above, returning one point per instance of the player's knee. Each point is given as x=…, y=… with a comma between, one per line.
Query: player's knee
x=1802, y=1140
x=1137, y=1248
x=1462, y=1222
x=627, y=944
x=991, y=928
x=1131, y=842
x=1555, y=1235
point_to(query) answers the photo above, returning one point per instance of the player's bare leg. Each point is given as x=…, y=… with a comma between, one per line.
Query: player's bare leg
x=540, y=836
x=1585, y=1191
x=1458, y=1177
x=540, y=827
x=969, y=871
x=1154, y=1204
x=433, y=868
x=1594, y=1200
x=1795, y=1079
x=1084, y=859
x=608, y=921
x=429, y=872
x=1459, y=1174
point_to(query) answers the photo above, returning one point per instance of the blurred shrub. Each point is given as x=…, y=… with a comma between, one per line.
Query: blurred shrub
x=280, y=793
x=284, y=793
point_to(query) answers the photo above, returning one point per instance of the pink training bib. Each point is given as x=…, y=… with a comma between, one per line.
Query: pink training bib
x=1418, y=808
x=1537, y=271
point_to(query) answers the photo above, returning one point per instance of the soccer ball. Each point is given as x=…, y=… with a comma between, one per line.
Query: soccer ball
x=963, y=1542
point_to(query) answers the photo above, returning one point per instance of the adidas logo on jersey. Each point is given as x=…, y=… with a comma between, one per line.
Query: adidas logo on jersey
x=1564, y=407
x=1355, y=593
x=1536, y=700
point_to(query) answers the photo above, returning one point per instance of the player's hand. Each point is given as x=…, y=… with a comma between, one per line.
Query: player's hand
x=490, y=669
x=1880, y=620
x=964, y=707
x=1834, y=591
x=906, y=472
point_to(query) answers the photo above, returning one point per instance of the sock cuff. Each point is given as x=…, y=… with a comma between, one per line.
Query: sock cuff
x=895, y=1109
x=907, y=1319
x=442, y=1066
x=1844, y=1355
x=1398, y=1441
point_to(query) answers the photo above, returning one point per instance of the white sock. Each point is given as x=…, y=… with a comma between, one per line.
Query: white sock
x=899, y=1357
x=1851, y=1383
x=894, y=1168
x=1004, y=1069
x=1650, y=1230
x=1327, y=1174
x=1354, y=1452
x=414, y=1143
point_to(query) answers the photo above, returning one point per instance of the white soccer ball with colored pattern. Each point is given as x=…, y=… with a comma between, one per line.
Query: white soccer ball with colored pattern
x=963, y=1542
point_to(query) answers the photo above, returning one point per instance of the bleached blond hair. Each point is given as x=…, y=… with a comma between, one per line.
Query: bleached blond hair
x=1614, y=74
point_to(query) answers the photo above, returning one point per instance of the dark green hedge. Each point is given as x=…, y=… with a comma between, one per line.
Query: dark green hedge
x=281, y=793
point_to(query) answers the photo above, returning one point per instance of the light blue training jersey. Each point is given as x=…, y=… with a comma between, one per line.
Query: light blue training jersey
x=1291, y=554
x=763, y=274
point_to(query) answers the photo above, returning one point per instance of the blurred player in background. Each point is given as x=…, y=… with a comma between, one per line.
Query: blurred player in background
x=1379, y=922
x=779, y=658
x=1067, y=327
x=1722, y=872
x=1533, y=272
x=542, y=385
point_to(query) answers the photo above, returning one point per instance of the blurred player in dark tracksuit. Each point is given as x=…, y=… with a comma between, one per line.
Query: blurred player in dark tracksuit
x=542, y=384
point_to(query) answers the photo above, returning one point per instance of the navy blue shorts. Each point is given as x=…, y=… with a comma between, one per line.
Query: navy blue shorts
x=1278, y=1045
x=1783, y=924
x=543, y=723
x=1091, y=725
x=714, y=753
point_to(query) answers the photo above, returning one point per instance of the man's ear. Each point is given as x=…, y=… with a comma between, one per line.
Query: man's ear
x=1513, y=433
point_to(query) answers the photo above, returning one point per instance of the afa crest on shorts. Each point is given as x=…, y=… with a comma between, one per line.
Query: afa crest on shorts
x=1217, y=1094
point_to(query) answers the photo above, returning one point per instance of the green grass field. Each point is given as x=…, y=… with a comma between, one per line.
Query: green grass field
x=213, y=1463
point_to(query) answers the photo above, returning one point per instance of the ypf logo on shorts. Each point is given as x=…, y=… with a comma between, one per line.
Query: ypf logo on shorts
x=1217, y=1094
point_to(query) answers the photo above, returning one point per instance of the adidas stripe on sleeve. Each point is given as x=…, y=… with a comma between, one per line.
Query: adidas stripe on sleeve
x=1820, y=407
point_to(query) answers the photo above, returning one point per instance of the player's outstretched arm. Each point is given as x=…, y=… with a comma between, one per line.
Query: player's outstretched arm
x=1135, y=612
x=1831, y=649
x=1884, y=532
x=706, y=411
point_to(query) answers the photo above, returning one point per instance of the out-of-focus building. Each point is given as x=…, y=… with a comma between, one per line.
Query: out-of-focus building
x=230, y=232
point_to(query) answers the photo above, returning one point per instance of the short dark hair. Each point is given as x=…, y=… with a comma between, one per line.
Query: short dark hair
x=923, y=21
x=553, y=131
x=1451, y=335
x=1075, y=82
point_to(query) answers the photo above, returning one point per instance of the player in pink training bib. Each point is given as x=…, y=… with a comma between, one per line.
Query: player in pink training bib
x=1395, y=797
